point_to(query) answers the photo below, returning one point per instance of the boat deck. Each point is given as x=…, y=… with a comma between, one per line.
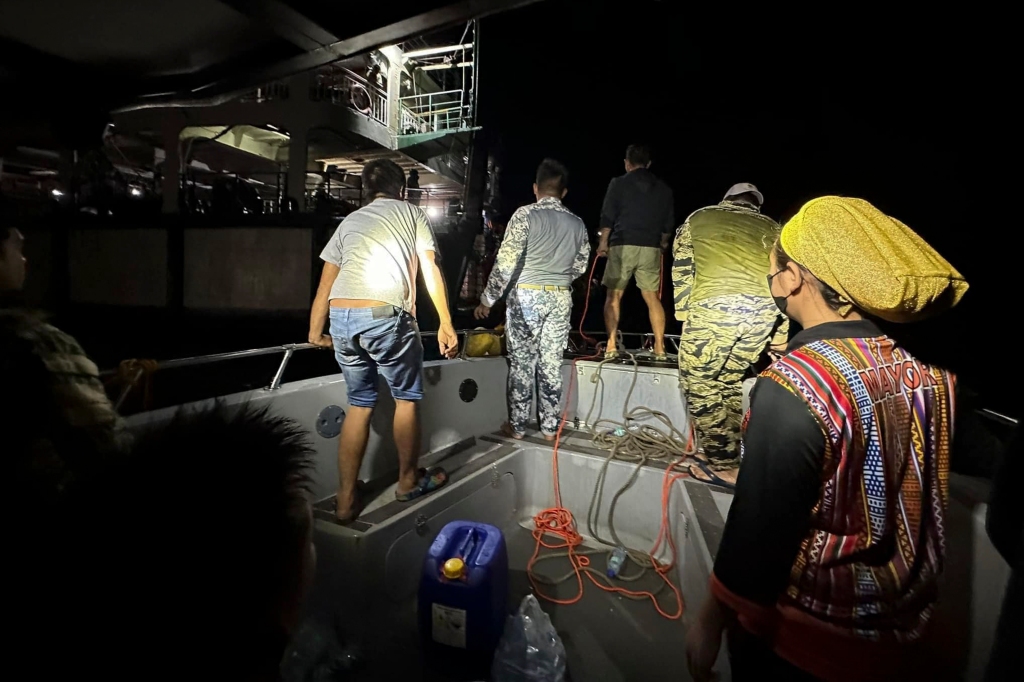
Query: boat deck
x=606, y=636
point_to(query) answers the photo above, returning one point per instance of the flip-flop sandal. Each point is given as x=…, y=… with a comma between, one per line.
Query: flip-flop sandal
x=611, y=355
x=712, y=476
x=430, y=480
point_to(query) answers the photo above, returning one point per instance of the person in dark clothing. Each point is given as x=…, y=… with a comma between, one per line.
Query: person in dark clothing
x=145, y=575
x=413, y=192
x=637, y=218
x=12, y=258
x=1005, y=526
x=59, y=425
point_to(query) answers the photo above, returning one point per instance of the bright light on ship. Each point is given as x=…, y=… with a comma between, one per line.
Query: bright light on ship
x=433, y=211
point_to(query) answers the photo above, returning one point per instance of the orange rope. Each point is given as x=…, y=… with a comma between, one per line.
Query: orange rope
x=559, y=523
x=586, y=303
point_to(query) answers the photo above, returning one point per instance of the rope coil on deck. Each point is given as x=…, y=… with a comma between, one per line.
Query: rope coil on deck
x=641, y=443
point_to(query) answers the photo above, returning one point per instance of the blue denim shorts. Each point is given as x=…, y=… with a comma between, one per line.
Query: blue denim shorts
x=384, y=339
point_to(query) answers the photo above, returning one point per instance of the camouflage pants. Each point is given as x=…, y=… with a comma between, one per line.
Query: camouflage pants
x=723, y=337
x=536, y=328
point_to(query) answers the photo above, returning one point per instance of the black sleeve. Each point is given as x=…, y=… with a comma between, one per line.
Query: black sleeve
x=669, y=221
x=779, y=483
x=610, y=207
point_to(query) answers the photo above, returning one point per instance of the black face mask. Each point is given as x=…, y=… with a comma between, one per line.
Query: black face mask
x=780, y=301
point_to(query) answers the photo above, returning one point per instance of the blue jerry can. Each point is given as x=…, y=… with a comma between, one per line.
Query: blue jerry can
x=464, y=587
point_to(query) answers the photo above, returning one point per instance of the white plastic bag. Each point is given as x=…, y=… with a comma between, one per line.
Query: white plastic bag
x=530, y=649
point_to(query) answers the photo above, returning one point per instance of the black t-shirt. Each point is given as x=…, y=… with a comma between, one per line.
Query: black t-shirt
x=639, y=209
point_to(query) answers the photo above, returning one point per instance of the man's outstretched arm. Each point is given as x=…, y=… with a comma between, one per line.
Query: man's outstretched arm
x=447, y=340
x=510, y=253
x=682, y=271
x=321, y=306
x=582, y=260
x=609, y=215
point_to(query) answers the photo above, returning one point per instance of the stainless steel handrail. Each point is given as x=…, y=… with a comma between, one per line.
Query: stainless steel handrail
x=289, y=350
x=197, y=360
x=275, y=383
x=992, y=414
x=234, y=355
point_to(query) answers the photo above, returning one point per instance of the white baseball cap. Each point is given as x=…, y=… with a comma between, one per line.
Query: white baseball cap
x=744, y=188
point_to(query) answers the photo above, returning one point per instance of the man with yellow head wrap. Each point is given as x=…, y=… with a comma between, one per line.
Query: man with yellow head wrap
x=841, y=498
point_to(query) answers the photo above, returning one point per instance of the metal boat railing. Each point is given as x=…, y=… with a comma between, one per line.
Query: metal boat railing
x=577, y=346
x=178, y=363
x=995, y=416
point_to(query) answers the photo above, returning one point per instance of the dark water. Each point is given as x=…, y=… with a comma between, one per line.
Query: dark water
x=110, y=335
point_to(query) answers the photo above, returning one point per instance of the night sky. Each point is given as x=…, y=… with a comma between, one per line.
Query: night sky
x=870, y=106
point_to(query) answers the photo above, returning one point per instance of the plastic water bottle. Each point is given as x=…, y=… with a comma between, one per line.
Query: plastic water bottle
x=530, y=649
x=615, y=561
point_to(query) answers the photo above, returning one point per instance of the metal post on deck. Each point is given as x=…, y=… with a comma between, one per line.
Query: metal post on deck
x=275, y=383
x=128, y=388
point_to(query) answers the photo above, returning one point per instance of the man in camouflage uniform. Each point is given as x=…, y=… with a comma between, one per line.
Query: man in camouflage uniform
x=545, y=249
x=720, y=261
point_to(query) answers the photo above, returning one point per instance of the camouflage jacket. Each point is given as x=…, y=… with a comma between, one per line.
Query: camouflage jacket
x=558, y=253
x=58, y=421
x=722, y=251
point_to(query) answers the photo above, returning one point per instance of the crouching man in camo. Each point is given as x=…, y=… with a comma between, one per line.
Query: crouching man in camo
x=723, y=300
x=547, y=247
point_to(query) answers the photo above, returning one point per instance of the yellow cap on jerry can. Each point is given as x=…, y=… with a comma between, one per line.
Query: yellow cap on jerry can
x=453, y=568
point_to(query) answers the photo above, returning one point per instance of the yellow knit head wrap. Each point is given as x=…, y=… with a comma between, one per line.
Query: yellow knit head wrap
x=873, y=261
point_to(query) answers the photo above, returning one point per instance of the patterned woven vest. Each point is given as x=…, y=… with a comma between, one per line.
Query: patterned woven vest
x=875, y=548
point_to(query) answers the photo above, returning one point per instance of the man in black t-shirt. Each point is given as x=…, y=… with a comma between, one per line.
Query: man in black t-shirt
x=637, y=218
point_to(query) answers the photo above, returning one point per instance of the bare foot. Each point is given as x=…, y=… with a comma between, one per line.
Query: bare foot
x=725, y=475
x=547, y=437
x=346, y=514
x=348, y=507
x=506, y=430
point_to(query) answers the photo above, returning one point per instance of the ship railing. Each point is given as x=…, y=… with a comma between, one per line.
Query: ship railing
x=343, y=87
x=576, y=347
x=433, y=112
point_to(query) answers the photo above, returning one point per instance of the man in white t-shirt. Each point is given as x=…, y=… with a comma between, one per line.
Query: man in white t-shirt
x=368, y=287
